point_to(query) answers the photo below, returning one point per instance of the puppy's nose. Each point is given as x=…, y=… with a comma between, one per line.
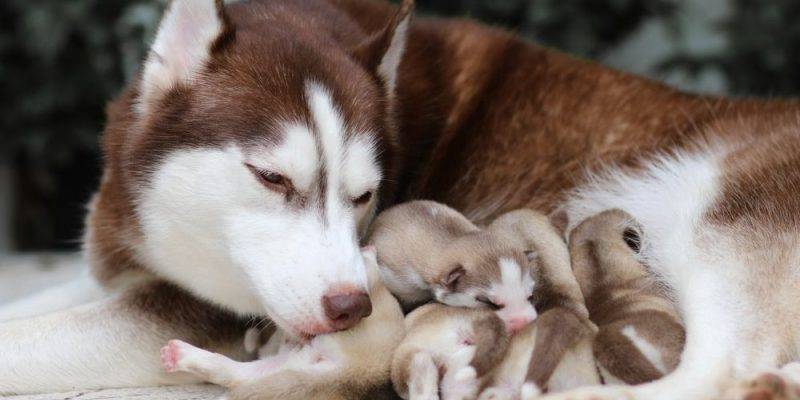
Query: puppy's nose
x=345, y=310
x=514, y=325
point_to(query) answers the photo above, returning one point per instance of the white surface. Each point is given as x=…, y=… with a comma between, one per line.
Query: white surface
x=25, y=274
x=202, y=392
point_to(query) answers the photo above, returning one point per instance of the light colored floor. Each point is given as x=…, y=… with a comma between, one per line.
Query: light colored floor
x=24, y=274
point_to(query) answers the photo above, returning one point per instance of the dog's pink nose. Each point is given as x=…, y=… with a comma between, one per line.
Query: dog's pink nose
x=345, y=310
x=515, y=325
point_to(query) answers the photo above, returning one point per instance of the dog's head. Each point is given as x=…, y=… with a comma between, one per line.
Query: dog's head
x=258, y=139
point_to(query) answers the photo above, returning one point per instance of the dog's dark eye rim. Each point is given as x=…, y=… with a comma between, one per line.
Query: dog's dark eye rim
x=363, y=199
x=485, y=300
x=271, y=180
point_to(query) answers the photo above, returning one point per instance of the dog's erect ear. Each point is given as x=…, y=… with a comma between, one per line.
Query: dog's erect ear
x=189, y=32
x=382, y=52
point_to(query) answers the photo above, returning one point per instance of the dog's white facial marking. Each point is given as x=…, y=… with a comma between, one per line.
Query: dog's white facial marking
x=211, y=226
x=513, y=293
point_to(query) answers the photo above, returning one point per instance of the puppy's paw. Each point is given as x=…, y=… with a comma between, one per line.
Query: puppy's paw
x=172, y=355
x=530, y=391
x=774, y=385
x=460, y=384
x=497, y=393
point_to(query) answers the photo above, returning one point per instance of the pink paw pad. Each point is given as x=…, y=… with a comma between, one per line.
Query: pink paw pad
x=171, y=355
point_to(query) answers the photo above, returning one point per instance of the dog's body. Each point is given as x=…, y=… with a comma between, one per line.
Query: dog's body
x=640, y=336
x=474, y=118
x=352, y=364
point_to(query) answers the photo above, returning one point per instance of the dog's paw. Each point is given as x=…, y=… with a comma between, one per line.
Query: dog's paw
x=172, y=354
x=775, y=385
x=460, y=384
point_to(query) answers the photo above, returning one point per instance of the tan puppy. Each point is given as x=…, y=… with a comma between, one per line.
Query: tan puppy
x=447, y=350
x=427, y=250
x=351, y=364
x=553, y=354
x=641, y=335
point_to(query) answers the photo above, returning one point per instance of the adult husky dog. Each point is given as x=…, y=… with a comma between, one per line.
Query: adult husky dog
x=261, y=137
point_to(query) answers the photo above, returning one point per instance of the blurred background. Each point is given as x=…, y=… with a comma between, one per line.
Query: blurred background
x=63, y=60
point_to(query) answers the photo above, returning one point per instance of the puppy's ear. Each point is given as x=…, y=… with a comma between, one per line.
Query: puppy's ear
x=382, y=52
x=190, y=31
x=450, y=280
x=531, y=255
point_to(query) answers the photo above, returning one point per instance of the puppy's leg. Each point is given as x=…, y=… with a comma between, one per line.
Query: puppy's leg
x=179, y=356
x=423, y=378
x=460, y=380
x=111, y=343
x=79, y=291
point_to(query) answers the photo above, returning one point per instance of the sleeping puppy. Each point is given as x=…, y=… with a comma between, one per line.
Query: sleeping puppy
x=641, y=336
x=427, y=250
x=351, y=364
x=447, y=351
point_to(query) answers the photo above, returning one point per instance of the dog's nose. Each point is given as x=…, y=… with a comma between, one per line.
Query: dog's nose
x=345, y=310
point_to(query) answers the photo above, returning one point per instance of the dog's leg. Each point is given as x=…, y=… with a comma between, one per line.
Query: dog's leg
x=460, y=380
x=114, y=342
x=178, y=356
x=81, y=290
x=423, y=378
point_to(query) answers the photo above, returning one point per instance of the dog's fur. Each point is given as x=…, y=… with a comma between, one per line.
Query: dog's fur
x=641, y=335
x=472, y=117
x=351, y=364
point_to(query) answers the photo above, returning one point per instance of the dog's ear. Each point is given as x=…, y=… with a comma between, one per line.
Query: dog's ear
x=382, y=52
x=190, y=31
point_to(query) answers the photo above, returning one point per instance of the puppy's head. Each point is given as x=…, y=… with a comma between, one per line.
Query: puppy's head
x=256, y=149
x=480, y=272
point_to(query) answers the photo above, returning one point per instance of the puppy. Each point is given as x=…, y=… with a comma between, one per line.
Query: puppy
x=447, y=350
x=351, y=364
x=553, y=354
x=427, y=250
x=641, y=335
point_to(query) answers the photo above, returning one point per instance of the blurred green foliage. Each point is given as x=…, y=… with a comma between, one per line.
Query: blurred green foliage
x=61, y=60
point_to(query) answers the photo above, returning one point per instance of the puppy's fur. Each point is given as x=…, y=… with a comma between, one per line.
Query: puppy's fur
x=352, y=364
x=641, y=335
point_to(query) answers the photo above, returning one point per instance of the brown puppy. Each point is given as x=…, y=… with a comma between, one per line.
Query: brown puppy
x=641, y=335
x=350, y=364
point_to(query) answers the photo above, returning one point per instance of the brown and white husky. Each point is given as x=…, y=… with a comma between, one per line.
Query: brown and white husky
x=261, y=136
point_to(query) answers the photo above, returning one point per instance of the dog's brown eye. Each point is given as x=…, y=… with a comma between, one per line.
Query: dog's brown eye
x=272, y=180
x=489, y=303
x=363, y=199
